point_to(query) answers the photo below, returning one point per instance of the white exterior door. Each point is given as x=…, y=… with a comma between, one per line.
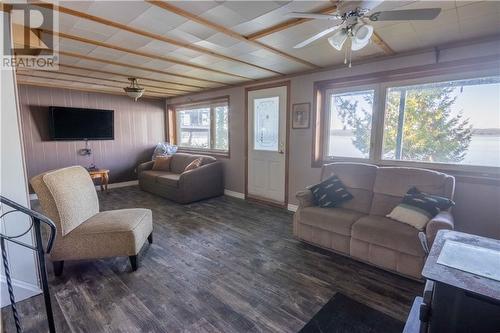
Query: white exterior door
x=267, y=144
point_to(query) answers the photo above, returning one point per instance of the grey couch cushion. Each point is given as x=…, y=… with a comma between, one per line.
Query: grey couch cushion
x=392, y=183
x=358, y=179
x=181, y=160
x=150, y=175
x=388, y=233
x=169, y=179
x=338, y=220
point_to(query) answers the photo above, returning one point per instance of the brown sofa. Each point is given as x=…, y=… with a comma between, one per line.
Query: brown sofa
x=183, y=186
x=359, y=228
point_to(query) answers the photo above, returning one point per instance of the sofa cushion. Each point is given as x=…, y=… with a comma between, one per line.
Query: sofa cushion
x=392, y=183
x=181, y=160
x=388, y=233
x=169, y=179
x=110, y=233
x=162, y=163
x=358, y=179
x=338, y=220
x=150, y=175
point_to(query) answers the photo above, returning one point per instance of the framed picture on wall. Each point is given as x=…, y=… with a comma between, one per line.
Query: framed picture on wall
x=301, y=115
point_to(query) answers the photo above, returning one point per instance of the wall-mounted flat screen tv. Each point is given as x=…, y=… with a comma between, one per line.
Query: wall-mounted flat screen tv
x=80, y=124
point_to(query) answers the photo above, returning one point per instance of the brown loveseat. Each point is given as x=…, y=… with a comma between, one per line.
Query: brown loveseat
x=183, y=186
x=359, y=228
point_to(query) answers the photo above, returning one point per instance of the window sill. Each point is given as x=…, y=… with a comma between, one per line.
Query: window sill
x=214, y=153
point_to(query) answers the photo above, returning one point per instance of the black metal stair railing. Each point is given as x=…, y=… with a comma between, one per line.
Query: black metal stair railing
x=36, y=220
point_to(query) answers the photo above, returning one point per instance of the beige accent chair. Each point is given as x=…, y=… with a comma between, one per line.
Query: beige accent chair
x=359, y=228
x=68, y=197
x=183, y=186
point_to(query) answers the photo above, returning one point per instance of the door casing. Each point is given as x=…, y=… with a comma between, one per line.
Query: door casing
x=287, y=140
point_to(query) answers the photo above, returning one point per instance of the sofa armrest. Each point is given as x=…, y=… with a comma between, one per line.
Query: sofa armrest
x=442, y=221
x=145, y=166
x=305, y=198
x=204, y=176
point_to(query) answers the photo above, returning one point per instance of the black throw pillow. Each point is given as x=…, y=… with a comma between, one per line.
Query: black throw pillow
x=330, y=192
x=430, y=203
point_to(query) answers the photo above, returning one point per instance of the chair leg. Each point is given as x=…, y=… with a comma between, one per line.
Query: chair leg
x=150, y=238
x=58, y=267
x=133, y=262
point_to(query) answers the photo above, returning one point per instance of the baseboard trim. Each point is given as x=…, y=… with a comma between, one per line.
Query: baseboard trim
x=33, y=196
x=22, y=290
x=122, y=184
x=292, y=208
x=234, y=194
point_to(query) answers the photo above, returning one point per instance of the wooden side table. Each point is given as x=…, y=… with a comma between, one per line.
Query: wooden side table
x=102, y=175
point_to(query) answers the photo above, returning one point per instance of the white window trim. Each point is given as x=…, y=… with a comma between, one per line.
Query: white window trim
x=378, y=118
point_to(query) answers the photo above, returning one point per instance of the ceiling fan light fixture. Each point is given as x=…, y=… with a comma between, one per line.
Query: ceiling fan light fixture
x=361, y=36
x=134, y=90
x=338, y=39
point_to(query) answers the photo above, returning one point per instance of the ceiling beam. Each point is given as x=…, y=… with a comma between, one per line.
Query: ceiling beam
x=151, y=35
x=123, y=83
x=151, y=93
x=137, y=77
x=380, y=42
x=112, y=62
x=226, y=31
x=84, y=89
x=142, y=54
x=287, y=24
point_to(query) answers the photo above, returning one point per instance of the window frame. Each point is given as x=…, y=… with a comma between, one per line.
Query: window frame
x=381, y=85
x=173, y=122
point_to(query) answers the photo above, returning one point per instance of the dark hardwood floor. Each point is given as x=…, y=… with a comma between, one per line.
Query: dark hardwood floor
x=220, y=265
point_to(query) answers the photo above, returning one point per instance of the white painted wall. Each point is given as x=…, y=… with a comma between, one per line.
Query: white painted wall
x=13, y=185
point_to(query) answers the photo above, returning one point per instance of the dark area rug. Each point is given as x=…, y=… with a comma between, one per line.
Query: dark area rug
x=342, y=314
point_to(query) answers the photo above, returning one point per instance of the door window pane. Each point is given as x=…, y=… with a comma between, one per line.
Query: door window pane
x=266, y=123
x=448, y=122
x=194, y=128
x=349, y=125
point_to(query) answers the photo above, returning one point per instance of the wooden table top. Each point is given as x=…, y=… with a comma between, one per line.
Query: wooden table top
x=98, y=171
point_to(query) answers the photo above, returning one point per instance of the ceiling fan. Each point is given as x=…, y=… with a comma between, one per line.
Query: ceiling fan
x=349, y=23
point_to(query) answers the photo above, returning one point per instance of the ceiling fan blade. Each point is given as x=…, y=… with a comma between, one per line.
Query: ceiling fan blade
x=370, y=5
x=314, y=16
x=408, y=14
x=316, y=37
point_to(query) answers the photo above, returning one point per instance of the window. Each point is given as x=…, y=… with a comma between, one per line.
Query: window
x=449, y=122
x=454, y=122
x=349, y=124
x=266, y=127
x=203, y=126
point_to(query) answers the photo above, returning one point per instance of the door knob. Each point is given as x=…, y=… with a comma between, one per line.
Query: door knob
x=282, y=148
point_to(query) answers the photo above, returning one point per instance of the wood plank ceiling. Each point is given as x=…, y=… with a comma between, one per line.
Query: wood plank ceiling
x=180, y=47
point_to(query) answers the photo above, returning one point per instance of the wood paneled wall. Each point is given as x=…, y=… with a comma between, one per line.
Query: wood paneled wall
x=138, y=127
